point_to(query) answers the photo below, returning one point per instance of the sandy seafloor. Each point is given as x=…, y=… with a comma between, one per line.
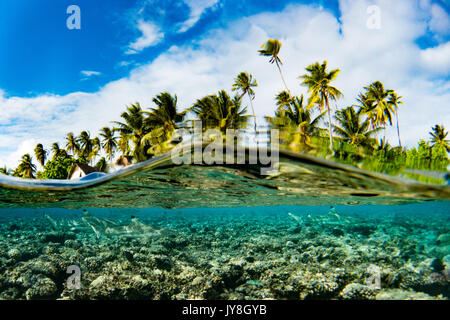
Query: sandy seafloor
x=229, y=253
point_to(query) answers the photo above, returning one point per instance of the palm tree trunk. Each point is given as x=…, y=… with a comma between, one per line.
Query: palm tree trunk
x=253, y=110
x=282, y=78
x=398, y=133
x=329, y=129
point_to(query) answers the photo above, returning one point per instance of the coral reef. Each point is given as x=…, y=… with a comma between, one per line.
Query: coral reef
x=272, y=255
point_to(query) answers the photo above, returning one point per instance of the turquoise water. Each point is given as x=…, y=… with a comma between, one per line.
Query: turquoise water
x=313, y=230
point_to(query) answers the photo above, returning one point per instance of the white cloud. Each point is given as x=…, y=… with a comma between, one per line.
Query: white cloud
x=307, y=34
x=88, y=73
x=12, y=160
x=437, y=59
x=197, y=7
x=124, y=63
x=440, y=20
x=151, y=35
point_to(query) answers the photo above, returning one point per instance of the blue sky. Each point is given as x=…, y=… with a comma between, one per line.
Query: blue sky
x=43, y=56
x=54, y=80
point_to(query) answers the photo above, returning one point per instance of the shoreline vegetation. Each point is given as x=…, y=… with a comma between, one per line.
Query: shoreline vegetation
x=352, y=135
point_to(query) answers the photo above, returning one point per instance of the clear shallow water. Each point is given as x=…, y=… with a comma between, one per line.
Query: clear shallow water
x=205, y=232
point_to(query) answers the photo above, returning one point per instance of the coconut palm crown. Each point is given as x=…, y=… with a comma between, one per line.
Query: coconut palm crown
x=220, y=111
x=244, y=82
x=40, y=153
x=317, y=80
x=438, y=136
x=271, y=48
x=353, y=128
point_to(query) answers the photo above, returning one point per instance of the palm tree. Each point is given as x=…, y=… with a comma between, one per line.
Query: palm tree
x=295, y=117
x=366, y=107
x=220, y=111
x=283, y=99
x=96, y=148
x=123, y=144
x=384, y=147
x=26, y=168
x=425, y=150
x=72, y=145
x=378, y=109
x=353, y=129
x=387, y=151
x=40, y=153
x=271, y=49
x=163, y=120
x=321, y=92
x=394, y=100
x=85, y=143
x=244, y=82
x=101, y=165
x=109, y=141
x=438, y=136
x=135, y=128
x=5, y=171
x=56, y=150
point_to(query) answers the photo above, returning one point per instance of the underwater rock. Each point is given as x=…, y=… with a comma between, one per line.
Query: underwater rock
x=337, y=232
x=22, y=253
x=74, y=244
x=290, y=244
x=437, y=265
x=399, y=294
x=14, y=254
x=118, y=285
x=440, y=251
x=13, y=227
x=434, y=284
x=94, y=263
x=128, y=254
x=363, y=229
x=446, y=261
x=57, y=237
x=45, y=288
x=250, y=259
x=161, y=262
x=47, y=268
x=444, y=239
x=99, y=282
x=320, y=288
x=159, y=248
x=357, y=291
x=231, y=275
x=390, y=278
x=255, y=269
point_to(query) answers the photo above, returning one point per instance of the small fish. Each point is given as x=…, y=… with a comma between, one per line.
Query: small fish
x=334, y=213
x=298, y=219
x=107, y=227
x=254, y=283
x=55, y=225
x=136, y=229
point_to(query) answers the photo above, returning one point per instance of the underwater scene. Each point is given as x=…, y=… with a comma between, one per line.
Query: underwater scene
x=315, y=229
